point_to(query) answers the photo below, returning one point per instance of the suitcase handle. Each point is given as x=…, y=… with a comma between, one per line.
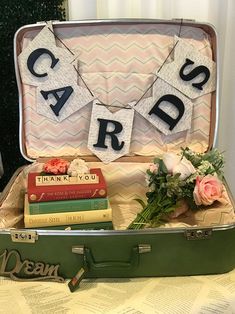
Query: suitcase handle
x=93, y=265
x=89, y=263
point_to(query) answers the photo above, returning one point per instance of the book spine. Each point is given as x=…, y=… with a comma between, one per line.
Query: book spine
x=68, y=218
x=46, y=196
x=68, y=206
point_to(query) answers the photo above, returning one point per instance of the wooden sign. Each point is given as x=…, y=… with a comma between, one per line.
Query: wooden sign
x=27, y=270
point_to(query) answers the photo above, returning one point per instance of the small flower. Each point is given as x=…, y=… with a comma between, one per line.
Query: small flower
x=78, y=166
x=56, y=166
x=171, y=160
x=185, y=168
x=153, y=168
x=205, y=167
x=175, y=164
x=208, y=190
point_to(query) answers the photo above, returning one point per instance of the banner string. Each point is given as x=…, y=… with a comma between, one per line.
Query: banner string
x=92, y=94
x=79, y=74
x=102, y=104
x=61, y=41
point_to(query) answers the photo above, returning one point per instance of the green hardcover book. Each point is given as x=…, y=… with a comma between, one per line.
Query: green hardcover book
x=106, y=225
x=67, y=206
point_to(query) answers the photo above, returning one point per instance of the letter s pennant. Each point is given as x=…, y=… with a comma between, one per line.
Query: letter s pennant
x=110, y=133
x=192, y=73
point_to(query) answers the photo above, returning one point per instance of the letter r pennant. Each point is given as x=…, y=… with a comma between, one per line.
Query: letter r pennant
x=110, y=133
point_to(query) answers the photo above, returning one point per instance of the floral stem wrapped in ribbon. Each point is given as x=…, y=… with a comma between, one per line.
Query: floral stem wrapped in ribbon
x=179, y=181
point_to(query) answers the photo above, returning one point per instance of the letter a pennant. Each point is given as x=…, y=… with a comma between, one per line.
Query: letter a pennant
x=110, y=133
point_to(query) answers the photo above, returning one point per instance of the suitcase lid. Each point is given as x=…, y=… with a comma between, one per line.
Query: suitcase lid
x=117, y=62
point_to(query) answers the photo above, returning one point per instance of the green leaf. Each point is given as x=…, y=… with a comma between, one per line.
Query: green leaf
x=163, y=167
x=156, y=160
x=149, y=172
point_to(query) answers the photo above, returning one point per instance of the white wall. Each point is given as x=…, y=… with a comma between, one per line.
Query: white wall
x=220, y=13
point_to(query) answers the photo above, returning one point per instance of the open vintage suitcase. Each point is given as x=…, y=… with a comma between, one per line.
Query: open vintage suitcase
x=117, y=59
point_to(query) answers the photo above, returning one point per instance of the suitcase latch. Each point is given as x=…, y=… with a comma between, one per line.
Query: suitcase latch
x=24, y=236
x=199, y=234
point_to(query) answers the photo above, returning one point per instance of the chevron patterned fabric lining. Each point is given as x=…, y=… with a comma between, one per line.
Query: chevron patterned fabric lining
x=118, y=63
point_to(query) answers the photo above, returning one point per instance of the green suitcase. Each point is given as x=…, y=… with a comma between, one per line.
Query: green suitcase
x=117, y=59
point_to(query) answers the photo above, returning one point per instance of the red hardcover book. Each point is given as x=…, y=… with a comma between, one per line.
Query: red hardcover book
x=48, y=193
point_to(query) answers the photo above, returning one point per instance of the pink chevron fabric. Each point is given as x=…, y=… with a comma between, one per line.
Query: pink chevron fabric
x=118, y=63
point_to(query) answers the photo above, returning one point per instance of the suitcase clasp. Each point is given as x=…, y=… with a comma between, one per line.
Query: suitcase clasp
x=198, y=234
x=28, y=236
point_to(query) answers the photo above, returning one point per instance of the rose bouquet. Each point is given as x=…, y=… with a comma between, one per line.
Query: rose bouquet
x=178, y=182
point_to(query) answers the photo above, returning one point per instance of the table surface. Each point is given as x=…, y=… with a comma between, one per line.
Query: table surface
x=171, y=295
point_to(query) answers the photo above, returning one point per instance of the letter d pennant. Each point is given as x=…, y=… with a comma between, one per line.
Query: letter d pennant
x=110, y=133
x=168, y=109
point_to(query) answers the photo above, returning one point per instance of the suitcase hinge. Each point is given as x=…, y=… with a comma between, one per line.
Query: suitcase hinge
x=199, y=234
x=24, y=236
x=183, y=20
x=144, y=248
x=44, y=22
x=78, y=249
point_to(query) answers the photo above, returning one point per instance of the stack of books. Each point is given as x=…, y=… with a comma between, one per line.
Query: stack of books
x=61, y=201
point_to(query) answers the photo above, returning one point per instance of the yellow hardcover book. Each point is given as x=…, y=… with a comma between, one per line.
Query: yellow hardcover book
x=71, y=218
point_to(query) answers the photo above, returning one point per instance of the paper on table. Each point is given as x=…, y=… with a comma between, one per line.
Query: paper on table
x=189, y=295
x=176, y=295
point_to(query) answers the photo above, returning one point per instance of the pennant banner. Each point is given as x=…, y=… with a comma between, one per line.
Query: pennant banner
x=191, y=72
x=110, y=133
x=168, y=110
x=52, y=70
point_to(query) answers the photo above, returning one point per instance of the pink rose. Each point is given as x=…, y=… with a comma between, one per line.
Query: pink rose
x=56, y=166
x=207, y=190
